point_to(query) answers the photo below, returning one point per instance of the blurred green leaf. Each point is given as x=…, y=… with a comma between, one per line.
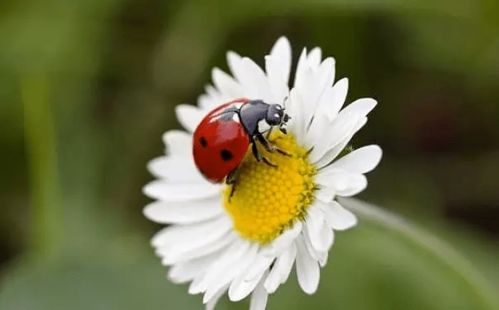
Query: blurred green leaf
x=93, y=285
x=46, y=210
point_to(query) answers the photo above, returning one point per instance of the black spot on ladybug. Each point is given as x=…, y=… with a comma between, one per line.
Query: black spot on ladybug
x=203, y=142
x=226, y=155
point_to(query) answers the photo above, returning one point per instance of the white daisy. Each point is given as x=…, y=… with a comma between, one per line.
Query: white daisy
x=277, y=217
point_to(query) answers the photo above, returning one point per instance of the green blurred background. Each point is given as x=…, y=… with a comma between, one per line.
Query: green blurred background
x=87, y=87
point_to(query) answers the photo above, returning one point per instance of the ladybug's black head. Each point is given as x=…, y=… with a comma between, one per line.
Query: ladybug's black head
x=276, y=116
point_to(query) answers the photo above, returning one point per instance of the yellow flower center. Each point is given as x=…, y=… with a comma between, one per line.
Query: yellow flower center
x=267, y=200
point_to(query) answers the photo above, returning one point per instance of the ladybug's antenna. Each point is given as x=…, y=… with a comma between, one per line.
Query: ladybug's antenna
x=284, y=101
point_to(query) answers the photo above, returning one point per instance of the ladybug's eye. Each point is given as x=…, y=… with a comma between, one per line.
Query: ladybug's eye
x=274, y=115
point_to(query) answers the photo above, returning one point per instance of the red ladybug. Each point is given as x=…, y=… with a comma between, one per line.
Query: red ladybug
x=222, y=138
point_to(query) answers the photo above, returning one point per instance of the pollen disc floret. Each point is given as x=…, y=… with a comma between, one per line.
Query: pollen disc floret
x=268, y=199
x=245, y=241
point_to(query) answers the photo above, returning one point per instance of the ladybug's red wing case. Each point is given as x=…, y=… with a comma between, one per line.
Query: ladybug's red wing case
x=220, y=142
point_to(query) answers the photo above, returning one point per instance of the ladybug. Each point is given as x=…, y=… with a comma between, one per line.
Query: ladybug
x=223, y=137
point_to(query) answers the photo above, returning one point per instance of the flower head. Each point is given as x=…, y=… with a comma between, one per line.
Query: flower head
x=246, y=240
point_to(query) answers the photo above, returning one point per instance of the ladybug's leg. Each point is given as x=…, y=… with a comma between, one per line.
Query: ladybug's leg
x=255, y=151
x=231, y=180
x=259, y=156
x=269, y=146
x=266, y=143
x=265, y=160
x=231, y=177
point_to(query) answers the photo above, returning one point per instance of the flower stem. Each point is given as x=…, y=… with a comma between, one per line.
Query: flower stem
x=439, y=249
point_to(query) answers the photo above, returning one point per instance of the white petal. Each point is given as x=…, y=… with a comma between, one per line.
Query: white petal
x=235, y=62
x=226, y=84
x=176, y=169
x=315, y=134
x=284, y=241
x=178, y=142
x=278, y=86
x=343, y=183
x=314, y=58
x=195, y=286
x=189, y=116
x=307, y=269
x=319, y=256
x=186, y=271
x=259, y=298
x=281, y=56
x=325, y=194
x=323, y=256
x=360, y=106
x=319, y=81
x=308, y=245
x=259, y=266
x=335, y=97
x=180, y=192
x=175, y=254
x=324, y=77
x=211, y=91
x=361, y=160
x=296, y=110
x=246, y=281
x=183, y=213
x=321, y=236
x=211, y=304
x=254, y=81
x=231, y=272
x=240, y=288
x=281, y=269
x=335, y=133
x=342, y=126
x=207, y=101
x=221, y=271
x=336, y=216
x=302, y=70
x=193, y=234
x=278, y=66
x=331, y=154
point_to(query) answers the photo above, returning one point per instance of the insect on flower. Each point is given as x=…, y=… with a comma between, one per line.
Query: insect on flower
x=224, y=135
x=289, y=166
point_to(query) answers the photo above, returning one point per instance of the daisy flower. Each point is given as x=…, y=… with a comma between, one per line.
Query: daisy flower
x=247, y=244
